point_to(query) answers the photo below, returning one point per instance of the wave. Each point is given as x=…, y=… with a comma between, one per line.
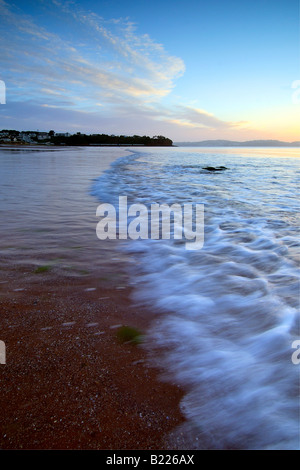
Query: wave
x=229, y=312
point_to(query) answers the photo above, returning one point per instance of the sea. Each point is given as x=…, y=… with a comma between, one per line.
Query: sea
x=226, y=315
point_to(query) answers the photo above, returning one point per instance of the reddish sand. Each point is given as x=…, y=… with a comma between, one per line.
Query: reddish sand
x=68, y=382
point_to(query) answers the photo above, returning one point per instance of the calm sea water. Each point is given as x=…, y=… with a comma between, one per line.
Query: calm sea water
x=228, y=313
x=48, y=216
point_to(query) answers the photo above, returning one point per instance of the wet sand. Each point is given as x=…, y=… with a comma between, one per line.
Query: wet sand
x=68, y=381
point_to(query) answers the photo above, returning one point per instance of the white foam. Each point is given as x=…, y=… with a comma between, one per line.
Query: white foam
x=229, y=312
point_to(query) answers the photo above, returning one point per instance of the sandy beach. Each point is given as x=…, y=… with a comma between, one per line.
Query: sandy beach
x=149, y=228
x=209, y=317
x=69, y=382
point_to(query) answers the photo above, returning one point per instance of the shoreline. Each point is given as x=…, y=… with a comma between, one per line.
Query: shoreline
x=68, y=382
x=55, y=147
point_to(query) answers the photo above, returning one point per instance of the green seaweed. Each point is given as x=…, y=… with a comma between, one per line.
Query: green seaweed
x=42, y=269
x=129, y=334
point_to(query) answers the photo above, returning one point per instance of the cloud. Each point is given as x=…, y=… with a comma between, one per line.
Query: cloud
x=93, y=74
x=186, y=117
x=110, y=61
x=195, y=117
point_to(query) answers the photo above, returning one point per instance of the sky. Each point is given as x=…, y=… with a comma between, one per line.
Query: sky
x=190, y=70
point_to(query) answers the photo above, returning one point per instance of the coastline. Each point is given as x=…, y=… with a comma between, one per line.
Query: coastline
x=68, y=382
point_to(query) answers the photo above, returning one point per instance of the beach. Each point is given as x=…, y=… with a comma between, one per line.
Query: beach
x=69, y=382
x=214, y=369
x=149, y=234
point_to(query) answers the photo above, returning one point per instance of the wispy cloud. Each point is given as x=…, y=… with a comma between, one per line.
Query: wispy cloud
x=195, y=117
x=101, y=66
x=121, y=64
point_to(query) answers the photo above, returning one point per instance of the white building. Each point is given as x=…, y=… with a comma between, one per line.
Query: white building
x=62, y=134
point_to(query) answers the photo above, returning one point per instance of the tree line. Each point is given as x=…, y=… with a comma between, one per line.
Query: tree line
x=104, y=139
x=54, y=138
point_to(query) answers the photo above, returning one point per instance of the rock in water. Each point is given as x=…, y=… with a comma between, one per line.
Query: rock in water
x=212, y=168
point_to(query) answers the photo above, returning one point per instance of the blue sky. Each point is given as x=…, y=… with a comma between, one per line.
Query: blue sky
x=186, y=69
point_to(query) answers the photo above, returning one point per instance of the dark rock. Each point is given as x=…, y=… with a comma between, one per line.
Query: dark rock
x=212, y=168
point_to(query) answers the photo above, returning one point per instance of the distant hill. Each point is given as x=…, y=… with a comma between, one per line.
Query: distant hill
x=232, y=143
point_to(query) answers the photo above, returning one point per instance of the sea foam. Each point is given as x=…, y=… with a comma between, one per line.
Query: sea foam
x=229, y=312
